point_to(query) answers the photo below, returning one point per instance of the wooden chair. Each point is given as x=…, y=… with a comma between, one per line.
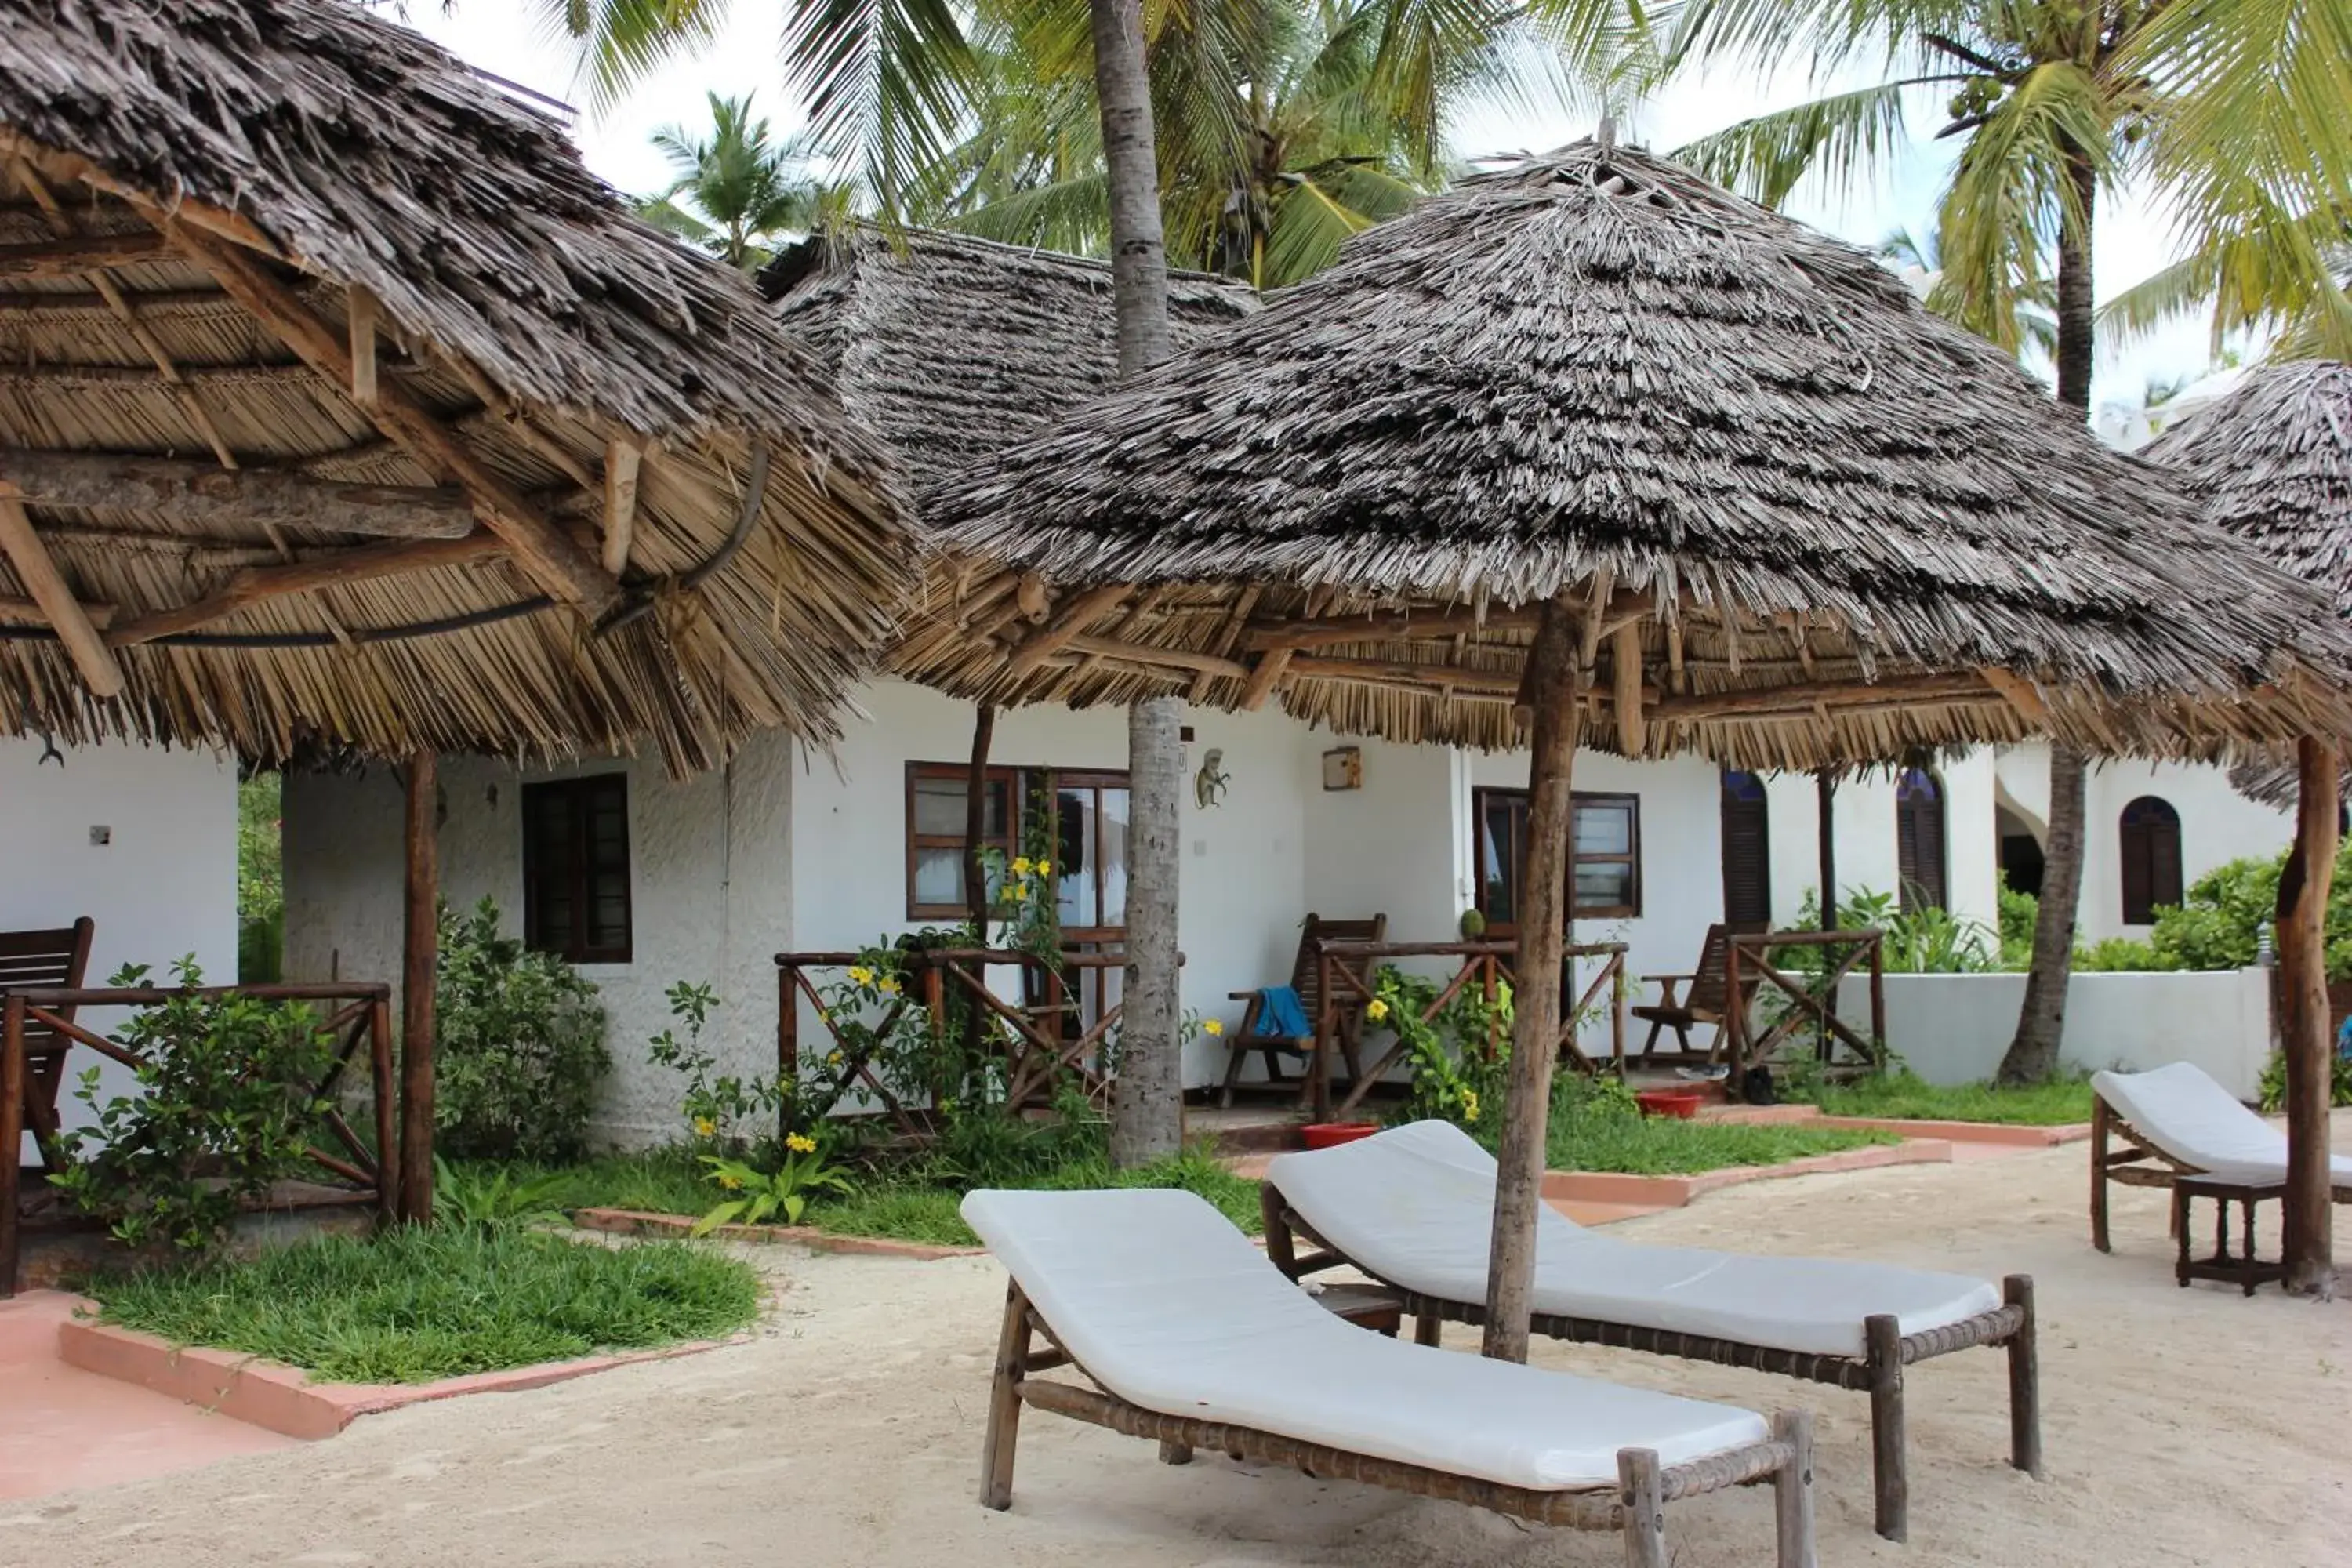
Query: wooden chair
x=30, y=959
x=1307, y=979
x=1702, y=999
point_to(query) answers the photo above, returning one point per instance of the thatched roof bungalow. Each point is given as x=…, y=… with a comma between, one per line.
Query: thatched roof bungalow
x=1811, y=523
x=952, y=348
x=342, y=404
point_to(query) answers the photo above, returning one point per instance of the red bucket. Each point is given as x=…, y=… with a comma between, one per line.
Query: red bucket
x=1681, y=1104
x=1325, y=1134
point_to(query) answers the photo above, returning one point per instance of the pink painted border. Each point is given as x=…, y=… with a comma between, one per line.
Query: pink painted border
x=1965, y=1131
x=639, y=1222
x=1675, y=1192
x=283, y=1399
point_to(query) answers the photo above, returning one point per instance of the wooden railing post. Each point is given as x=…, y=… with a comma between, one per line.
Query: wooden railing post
x=12, y=1136
x=1326, y=1037
x=788, y=1046
x=1617, y=1010
x=387, y=1121
x=1735, y=1018
x=1877, y=1000
x=1490, y=986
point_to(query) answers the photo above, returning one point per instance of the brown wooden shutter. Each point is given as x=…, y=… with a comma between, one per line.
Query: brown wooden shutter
x=1747, y=853
x=1920, y=852
x=2151, y=858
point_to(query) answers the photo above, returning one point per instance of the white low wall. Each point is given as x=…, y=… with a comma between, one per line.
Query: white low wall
x=1953, y=1028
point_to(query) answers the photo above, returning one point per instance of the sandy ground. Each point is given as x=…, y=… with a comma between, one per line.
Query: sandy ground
x=2182, y=1426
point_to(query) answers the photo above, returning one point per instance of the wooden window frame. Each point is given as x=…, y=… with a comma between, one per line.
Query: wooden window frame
x=1097, y=779
x=2125, y=830
x=1009, y=841
x=573, y=947
x=1480, y=801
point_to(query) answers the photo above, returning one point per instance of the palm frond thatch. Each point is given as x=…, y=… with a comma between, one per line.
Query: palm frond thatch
x=339, y=163
x=1833, y=526
x=952, y=347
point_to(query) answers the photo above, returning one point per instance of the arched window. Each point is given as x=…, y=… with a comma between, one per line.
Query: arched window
x=1919, y=839
x=2151, y=845
x=1747, y=853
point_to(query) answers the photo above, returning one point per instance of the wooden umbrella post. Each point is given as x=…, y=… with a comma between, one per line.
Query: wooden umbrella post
x=420, y=964
x=1825, y=794
x=2303, y=965
x=1551, y=690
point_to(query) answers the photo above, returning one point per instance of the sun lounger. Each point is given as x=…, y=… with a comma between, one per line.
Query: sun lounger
x=1193, y=1339
x=1414, y=1208
x=2176, y=1120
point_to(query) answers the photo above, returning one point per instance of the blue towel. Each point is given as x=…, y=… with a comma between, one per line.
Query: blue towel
x=1281, y=1016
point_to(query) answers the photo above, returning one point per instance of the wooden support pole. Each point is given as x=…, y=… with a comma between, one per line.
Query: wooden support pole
x=419, y=972
x=1552, y=691
x=1882, y=1338
x=1625, y=678
x=1263, y=676
x=1792, y=1490
x=1077, y=614
x=174, y=489
x=12, y=1136
x=1825, y=799
x=252, y=585
x=64, y=613
x=558, y=565
x=384, y=1078
x=623, y=460
x=2303, y=1034
x=1004, y=1404
x=2024, y=1379
x=1640, y=1492
x=975, y=870
x=361, y=312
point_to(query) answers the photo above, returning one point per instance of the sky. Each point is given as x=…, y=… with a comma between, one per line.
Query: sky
x=503, y=37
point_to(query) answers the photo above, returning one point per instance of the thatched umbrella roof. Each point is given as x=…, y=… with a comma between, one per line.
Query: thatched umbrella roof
x=1812, y=524
x=512, y=471
x=2272, y=462
x=952, y=348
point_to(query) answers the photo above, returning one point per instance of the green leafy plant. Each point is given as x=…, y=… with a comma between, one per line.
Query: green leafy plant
x=763, y=1194
x=260, y=881
x=716, y=1105
x=2273, y=1082
x=2121, y=955
x=1460, y=1053
x=226, y=1090
x=489, y=1197
x=518, y=1046
x=2018, y=913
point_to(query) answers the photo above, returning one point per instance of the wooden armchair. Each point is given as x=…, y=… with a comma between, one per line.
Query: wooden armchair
x=1307, y=979
x=30, y=959
x=1702, y=999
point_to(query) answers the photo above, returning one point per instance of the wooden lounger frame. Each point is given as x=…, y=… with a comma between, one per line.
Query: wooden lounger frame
x=1636, y=1505
x=2138, y=1164
x=1878, y=1372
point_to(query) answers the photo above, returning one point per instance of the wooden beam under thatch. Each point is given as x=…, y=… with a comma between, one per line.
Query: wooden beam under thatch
x=622, y=461
x=543, y=551
x=342, y=568
x=176, y=490
x=82, y=253
x=54, y=596
x=1078, y=613
x=17, y=612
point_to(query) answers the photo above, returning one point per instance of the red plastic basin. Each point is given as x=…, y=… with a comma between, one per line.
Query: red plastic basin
x=1682, y=1104
x=1324, y=1134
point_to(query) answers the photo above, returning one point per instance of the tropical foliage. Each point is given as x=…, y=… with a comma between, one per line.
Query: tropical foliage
x=739, y=189
x=519, y=1053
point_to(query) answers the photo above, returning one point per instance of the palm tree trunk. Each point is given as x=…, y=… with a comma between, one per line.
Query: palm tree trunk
x=2302, y=928
x=2032, y=1054
x=1148, y=1104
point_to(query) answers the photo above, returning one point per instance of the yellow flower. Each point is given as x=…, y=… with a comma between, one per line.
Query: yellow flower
x=833, y=1060
x=887, y=986
x=860, y=975
x=1376, y=1010
x=730, y=1182
x=1021, y=865
x=799, y=1144
x=1044, y=867
x=1469, y=1105
x=1212, y=1026
x=1015, y=891
x=704, y=1127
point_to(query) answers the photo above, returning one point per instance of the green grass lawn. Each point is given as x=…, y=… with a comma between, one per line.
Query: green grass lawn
x=418, y=1304
x=1661, y=1146
x=2055, y=1104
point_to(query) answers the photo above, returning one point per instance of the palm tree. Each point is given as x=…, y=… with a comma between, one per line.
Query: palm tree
x=2053, y=102
x=737, y=188
x=2035, y=307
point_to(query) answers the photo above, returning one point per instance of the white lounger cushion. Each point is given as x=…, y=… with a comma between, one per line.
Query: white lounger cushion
x=1416, y=1207
x=2181, y=1110
x=1163, y=1301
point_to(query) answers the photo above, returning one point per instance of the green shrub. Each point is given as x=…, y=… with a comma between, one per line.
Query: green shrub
x=260, y=881
x=2019, y=913
x=2122, y=955
x=223, y=1111
x=519, y=1047
x=2218, y=923
x=2273, y=1084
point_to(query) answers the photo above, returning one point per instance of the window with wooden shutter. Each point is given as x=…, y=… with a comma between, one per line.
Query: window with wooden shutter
x=1604, y=857
x=2151, y=858
x=1746, y=854
x=1919, y=854
x=575, y=868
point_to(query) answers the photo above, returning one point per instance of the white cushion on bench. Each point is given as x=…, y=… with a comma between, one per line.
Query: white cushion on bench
x=2182, y=1111
x=1160, y=1299
x=1416, y=1207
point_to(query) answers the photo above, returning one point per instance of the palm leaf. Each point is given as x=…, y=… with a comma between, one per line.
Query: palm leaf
x=1840, y=139
x=616, y=44
x=888, y=82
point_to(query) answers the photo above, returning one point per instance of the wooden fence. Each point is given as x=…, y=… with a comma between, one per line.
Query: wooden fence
x=1347, y=972
x=356, y=1016
x=1750, y=966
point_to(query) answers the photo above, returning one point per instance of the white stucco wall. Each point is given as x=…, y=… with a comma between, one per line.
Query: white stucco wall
x=1953, y=1028
x=710, y=878
x=1867, y=860
x=2218, y=825
x=164, y=886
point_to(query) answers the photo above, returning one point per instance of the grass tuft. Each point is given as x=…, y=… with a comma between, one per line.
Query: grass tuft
x=418, y=1304
x=1904, y=1094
